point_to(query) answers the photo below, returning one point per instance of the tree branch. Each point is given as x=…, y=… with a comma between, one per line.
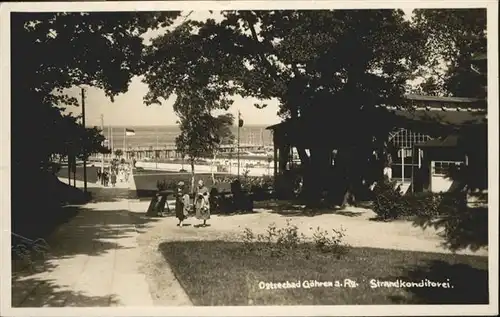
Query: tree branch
x=260, y=55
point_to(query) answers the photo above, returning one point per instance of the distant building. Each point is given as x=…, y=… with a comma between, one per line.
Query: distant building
x=421, y=154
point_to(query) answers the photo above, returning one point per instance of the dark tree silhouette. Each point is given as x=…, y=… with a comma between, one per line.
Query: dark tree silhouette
x=304, y=59
x=98, y=49
x=453, y=36
x=51, y=52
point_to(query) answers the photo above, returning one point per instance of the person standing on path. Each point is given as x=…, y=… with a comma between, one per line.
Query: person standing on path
x=106, y=178
x=99, y=174
x=113, y=178
x=201, y=203
x=181, y=203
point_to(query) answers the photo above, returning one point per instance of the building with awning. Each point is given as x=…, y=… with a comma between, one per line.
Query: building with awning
x=425, y=142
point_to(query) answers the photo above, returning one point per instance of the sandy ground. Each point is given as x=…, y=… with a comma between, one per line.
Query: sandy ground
x=359, y=230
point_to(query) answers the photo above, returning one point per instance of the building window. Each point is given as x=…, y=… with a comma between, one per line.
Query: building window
x=407, y=139
x=442, y=168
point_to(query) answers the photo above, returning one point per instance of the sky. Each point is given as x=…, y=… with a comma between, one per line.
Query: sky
x=128, y=109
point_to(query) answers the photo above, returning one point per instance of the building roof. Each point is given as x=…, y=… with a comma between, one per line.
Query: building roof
x=449, y=117
x=450, y=141
x=464, y=113
x=441, y=99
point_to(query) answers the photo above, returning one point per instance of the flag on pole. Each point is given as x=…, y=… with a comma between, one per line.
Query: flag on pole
x=240, y=121
x=129, y=132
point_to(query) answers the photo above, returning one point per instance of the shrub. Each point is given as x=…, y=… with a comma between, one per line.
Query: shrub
x=423, y=204
x=248, y=239
x=166, y=184
x=278, y=241
x=332, y=244
x=390, y=204
x=288, y=237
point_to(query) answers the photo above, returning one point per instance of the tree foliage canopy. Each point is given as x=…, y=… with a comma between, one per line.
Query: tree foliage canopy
x=453, y=38
x=202, y=133
x=55, y=51
x=323, y=66
x=302, y=58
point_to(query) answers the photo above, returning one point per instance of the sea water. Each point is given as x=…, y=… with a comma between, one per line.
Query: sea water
x=146, y=136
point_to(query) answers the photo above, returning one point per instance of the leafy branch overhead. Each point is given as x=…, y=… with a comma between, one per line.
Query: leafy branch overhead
x=301, y=58
x=330, y=68
x=52, y=52
x=453, y=37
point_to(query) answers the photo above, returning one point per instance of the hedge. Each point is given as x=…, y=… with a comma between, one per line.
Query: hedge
x=389, y=203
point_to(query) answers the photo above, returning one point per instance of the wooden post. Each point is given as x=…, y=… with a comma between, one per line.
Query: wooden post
x=275, y=158
x=412, y=168
x=402, y=166
x=74, y=170
x=419, y=159
x=102, y=158
x=69, y=170
x=238, y=153
x=84, y=152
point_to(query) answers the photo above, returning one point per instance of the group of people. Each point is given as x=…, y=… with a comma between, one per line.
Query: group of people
x=113, y=174
x=201, y=203
x=104, y=176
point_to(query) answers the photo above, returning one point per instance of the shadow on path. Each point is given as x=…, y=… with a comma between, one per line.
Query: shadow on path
x=110, y=194
x=48, y=293
x=294, y=209
x=47, y=278
x=461, y=228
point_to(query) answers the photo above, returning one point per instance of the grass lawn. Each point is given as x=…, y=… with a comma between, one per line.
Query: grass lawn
x=146, y=171
x=91, y=173
x=223, y=273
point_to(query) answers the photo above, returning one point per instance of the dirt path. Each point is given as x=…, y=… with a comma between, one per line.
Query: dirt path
x=360, y=231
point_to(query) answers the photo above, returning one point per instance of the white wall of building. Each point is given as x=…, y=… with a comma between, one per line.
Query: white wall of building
x=174, y=167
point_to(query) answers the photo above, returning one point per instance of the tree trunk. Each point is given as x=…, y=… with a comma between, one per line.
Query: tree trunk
x=192, y=175
x=69, y=171
x=73, y=167
x=353, y=167
x=284, y=157
x=212, y=169
x=316, y=174
x=349, y=198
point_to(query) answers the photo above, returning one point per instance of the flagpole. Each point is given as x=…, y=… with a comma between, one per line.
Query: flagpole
x=238, y=149
x=102, y=157
x=156, y=150
x=112, y=143
x=125, y=143
x=84, y=150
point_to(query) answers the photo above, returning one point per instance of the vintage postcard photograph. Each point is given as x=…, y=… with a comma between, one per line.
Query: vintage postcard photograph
x=249, y=158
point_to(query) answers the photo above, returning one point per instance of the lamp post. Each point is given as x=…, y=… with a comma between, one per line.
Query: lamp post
x=240, y=124
x=84, y=144
x=102, y=154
